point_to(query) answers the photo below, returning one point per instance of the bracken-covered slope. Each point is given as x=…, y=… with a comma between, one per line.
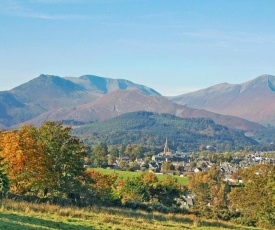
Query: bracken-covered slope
x=125, y=101
x=253, y=100
x=48, y=92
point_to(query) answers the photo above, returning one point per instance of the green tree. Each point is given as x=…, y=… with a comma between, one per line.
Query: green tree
x=166, y=191
x=139, y=151
x=4, y=181
x=134, y=190
x=168, y=165
x=255, y=200
x=193, y=164
x=203, y=165
x=180, y=168
x=64, y=158
x=100, y=154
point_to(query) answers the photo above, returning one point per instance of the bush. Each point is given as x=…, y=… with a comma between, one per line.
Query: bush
x=159, y=207
x=136, y=205
x=225, y=214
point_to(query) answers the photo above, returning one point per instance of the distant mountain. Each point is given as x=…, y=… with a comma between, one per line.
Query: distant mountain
x=48, y=92
x=124, y=101
x=151, y=129
x=106, y=85
x=253, y=100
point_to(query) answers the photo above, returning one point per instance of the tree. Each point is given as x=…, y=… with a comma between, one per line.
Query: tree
x=180, y=168
x=255, y=200
x=45, y=161
x=166, y=191
x=22, y=153
x=210, y=191
x=193, y=164
x=100, y=154
x=147, y=188
x=102, y=186
x=168, y=165
x=139, y=151
x=203, y=165
x=4, y=181
x=134, y=189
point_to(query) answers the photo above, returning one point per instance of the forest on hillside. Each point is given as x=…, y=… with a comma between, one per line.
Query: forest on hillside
x=151, y=129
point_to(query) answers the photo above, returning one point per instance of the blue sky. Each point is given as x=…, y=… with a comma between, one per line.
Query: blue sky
x=172, y=46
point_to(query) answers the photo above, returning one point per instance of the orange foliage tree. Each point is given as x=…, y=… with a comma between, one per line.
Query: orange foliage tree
x=101, y=185
x=45, y=161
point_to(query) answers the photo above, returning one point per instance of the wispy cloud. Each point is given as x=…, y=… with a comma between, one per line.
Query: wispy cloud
x=23, y=9
x=223, y=38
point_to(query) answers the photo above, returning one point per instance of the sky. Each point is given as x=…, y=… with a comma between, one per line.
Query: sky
x=174, y=47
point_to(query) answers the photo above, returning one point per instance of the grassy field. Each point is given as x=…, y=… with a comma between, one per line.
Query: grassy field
x=126, y=174
x=28, y=216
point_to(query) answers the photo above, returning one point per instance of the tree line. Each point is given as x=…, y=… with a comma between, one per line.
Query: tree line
x=47, y=163
x=251, y=202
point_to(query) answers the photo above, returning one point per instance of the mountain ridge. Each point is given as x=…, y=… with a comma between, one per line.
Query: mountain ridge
x=253, y=100
x=48, y=92
x=124, y=101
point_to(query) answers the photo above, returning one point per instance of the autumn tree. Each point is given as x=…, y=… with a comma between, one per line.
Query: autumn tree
x=23, y=155
x=102, y=186
x=255, y=199
x=45, y=161
x=210, y=191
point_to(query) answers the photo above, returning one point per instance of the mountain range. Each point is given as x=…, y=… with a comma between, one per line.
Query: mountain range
x=91, y=98
x=253, y=100
x=48, y=92
x=125, y=101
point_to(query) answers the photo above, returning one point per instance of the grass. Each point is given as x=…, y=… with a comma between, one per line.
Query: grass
x=28, y=216
x=127, y=174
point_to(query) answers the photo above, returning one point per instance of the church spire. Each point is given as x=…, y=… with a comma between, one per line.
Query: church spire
x=166, y=149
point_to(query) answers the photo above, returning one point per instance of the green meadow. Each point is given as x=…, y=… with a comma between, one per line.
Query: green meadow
x=127, y=174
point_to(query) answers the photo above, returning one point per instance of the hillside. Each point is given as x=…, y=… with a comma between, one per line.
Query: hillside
x=26, y=216
x=151, y=129
x=124, y=101
x=253, y=100
x=48, y=92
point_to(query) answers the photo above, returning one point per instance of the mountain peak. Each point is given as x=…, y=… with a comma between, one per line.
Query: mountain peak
x=253, y=100
x=107, y=85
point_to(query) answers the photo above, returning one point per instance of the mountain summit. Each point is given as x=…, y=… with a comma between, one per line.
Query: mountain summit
x=253, y=100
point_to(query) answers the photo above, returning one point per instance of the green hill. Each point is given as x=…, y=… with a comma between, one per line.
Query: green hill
x=151, y=129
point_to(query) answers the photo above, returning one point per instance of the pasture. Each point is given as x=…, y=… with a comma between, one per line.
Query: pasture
x=127, y=174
